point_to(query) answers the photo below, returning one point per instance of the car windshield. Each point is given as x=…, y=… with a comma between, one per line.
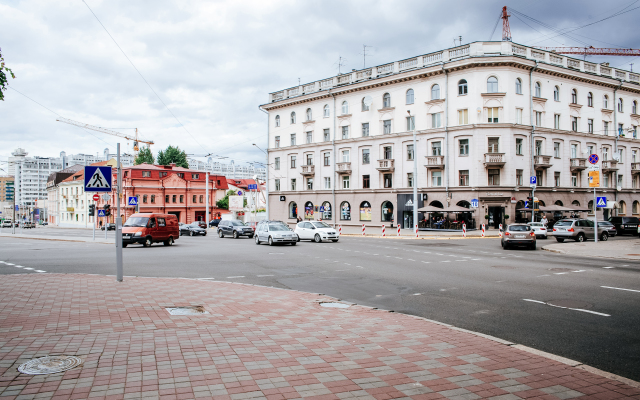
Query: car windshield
x=238, y=223
x=519, y=228
x=278, y=227
x=137, y=222
x=536, y=224
x=564, y=223
x=320, y=225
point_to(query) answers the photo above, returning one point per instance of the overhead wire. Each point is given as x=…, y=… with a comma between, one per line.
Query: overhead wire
x=495, y=26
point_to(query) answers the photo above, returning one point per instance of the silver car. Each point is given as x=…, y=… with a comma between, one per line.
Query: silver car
x=519, y=235
x=275, y=232
x=578, y=230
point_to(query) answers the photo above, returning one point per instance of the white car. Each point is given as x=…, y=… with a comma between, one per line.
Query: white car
x=316, y=231
x=539, y=229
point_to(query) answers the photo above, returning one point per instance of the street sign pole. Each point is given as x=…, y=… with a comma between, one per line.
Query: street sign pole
x=206, y=189
x=118, y=222
x=595, y=216
x=95, y=212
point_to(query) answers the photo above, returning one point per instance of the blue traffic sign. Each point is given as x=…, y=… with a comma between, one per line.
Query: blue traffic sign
x=133, y=201
x=601, y=202
x=321, y=209
x=533, y=180
x=239, y=192
x=474, y=203
x=101, y=213
x=253, y=187
x=97, y=179
x=593, y=159
x=17, y=208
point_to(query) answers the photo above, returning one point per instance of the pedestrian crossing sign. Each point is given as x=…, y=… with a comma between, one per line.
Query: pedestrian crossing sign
x=97, y=179
x=601, y=202
x=133, y=201
x=101, y=213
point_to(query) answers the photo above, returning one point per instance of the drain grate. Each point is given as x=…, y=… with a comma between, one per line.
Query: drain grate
x=191, y=310
x=49, y=365
x=335, y=305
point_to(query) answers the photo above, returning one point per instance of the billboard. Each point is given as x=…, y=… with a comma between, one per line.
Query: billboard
x=236, y=203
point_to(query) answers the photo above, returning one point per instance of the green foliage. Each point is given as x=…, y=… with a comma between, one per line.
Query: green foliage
x=224, y=202
x=145, y=156
x=173, y=155
x=3, y=76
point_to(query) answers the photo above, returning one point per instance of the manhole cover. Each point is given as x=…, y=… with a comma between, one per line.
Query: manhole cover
x=49, y=365
x=334, y=305
x=561, y=269
x=192, y=310
x=567, y=303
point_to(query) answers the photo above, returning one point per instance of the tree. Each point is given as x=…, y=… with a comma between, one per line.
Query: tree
x=3, y=76
x=145, y=156
x=173, y=155
x=223, y=203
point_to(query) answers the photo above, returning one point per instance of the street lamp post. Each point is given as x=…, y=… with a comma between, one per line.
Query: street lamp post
x=414, y=182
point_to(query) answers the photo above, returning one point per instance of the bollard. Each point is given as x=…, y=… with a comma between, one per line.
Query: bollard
x=362, y=229
x=464, y=230
x=339, y=230
x=383, y=231
x=482, y=230
x=398, y=230
x=500, y=231
x=416, y=230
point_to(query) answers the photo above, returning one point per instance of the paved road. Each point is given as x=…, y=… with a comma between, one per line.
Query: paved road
x=473, y=284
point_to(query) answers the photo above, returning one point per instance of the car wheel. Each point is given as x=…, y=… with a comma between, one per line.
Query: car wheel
x=580, y=238
x=294, y=243
x=257, y=239
x=270, y=241
x=190, y=233
x=125, y=244
x=317, y=238
x=235, y=234
x=220, y=234
x=204, y=234
x=560, y=240
x=506, y=246
x=532, y=246
x=147, y=242
x=168, y=242
x=604, y=237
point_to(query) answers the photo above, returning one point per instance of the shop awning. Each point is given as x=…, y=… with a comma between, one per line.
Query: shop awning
x=450, y=209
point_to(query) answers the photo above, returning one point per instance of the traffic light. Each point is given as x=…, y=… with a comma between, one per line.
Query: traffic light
x=92, y=210
x=107, y=210
x=529, y=203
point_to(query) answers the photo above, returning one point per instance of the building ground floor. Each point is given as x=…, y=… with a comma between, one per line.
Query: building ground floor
x=491, y=206
x=184, y=214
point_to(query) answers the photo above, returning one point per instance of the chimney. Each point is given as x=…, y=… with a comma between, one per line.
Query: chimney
x=173, y=165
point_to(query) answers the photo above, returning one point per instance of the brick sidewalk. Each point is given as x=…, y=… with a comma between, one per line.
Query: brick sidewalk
x=256, y=342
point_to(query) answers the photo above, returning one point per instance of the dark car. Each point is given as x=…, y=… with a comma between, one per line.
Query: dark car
x=235, y=228
x=214, y=222
x=201, y=224
x=110, y=226
x=625, y=225
x=608, y=227
x=192, y=229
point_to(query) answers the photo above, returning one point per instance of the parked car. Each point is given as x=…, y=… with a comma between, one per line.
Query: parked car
x=110, y=226
x=577, y=229
x=28, y=225
x=235, y=228
x=6, y=223
x=539, y=229
x=45, y=223
x=519, y=235
x=201, y=224
x=192, y=229
x=625, y=225
x=607, y=227
x=316, y=231
x=214, y=222
x=149, y=228
x=275, y=232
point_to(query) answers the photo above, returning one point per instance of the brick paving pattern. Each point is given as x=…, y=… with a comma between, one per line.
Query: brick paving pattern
x=255, y=343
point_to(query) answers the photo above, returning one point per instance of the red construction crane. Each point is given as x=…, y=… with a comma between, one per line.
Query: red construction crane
x=593, y=51
x=506, y=31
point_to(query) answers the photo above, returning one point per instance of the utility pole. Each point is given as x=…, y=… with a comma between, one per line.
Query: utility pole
x=206, y=188
x=118, y=222
x=415, y=173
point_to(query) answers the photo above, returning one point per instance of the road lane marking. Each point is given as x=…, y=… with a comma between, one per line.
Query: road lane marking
x=608, y=267
x=231, y=277
x=39, y=270
x=276, y=253
x=569, y=308
x=9, y=263
x=28, y=268
x=347, y=264
x=560, y=273
x=206, y=279
x=446, y=261
x=542, y=275
x=581, y=270
x=18, y=266
x=475, y=259
x=427, y=262
x=617, y=288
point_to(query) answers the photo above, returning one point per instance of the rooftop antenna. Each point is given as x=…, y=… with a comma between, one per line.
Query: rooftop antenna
x=341, y=63
x=364, y=55
x=631, y=67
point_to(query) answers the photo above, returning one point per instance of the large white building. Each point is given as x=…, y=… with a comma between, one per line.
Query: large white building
x=230, y=170
x=488, y=115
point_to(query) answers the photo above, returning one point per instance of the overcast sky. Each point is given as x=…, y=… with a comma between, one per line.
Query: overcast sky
x=214, y=62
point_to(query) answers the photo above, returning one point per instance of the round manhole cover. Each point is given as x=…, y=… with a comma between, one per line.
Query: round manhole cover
x=561, y=269
x=49, y=365
x=334, y=305
x=193, y=310
x=568, y=303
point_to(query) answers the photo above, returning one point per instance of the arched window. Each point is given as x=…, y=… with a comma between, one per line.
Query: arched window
x=574, y=96
x=308, y=210
x=634, y=107
x=345, y=108
x=620, y=105
x=410, y=96
x=590, y=206
x=345, y=211
x=326, y=111
x=386, y=100
x=365, y=211
x=326, y=210
x=623, y=208
x=605, y=102
x=144, y=198
x=365, y=107
x=462, y=87
x=464, y=203
x=590, y=99
x=492, y=85
x=558, y=203
x=436, y=203
x=435, y=92
x=518, y=86
x=293, y=210
x=309, y=115
x=556, y=93
x=387, y=211
x=575, y=203
x=293, y=117
x=277, y=121
x=538, y=90
x=635, y=208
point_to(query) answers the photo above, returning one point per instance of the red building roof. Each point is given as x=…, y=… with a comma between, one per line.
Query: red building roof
x=242, y=183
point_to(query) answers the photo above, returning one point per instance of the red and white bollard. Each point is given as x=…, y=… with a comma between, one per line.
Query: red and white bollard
x=482, y=230
x=416, y=230
x=383, y=231
x=339, y=230
x=464, y=230
x=399, y=230
x=362, y=229
x=500, y=231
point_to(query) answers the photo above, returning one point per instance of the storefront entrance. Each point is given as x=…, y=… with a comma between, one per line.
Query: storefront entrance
x=200, y=215
x=407, y=219
x=177, y=214
x=496, y=217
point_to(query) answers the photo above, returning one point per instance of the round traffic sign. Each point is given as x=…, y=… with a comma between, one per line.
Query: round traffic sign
x=593, y=159
x=96, y=197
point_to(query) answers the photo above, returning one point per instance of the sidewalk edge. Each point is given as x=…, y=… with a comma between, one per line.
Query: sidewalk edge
x=52, y=239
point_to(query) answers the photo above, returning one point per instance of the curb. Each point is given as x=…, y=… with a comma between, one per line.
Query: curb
x=590, y=255
x=53, y=240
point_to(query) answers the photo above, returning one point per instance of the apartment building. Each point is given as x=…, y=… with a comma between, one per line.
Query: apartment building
x=487, y=115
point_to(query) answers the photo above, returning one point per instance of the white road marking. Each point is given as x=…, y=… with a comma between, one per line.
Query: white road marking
x=535, y=301
x=276, y=253
x=399, y=258
x=231, y=277
x=581, y=270
x=608, y=267
x=617, y=288
x=18, y=266
x=260, y=276
x=28, y=268
x=347, y=264
x=569, y=308
x=427, y=262
x=408, y=259
x=206, y=279
x=375, y=254
x=475, y=259
x=359, y=266
x=9, y=263
x=446, y=261
x=438, y=254
x=459, y=260
x=626, y=265
x=38, y=270
x=542, y=275
x=416, y=294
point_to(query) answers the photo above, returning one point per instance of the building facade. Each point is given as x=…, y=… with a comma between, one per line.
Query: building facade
x=54, y=204
x=6, y=197
x=487, y=116
x=229, y=170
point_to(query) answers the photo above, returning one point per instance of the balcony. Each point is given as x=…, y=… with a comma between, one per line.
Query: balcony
x=635, y=168
x=578, y=164
x=343, y=168
x=434, y=162
x=308, y=170
x=494, y=160
x=541, y=162
x=385, y=165
x=609, y=166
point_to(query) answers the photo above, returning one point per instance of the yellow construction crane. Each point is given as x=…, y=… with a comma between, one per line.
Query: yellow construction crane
x=135, y=139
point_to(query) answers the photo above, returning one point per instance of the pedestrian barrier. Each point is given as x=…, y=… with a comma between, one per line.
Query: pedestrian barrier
x=383, y=231
x=398, y=230
x=362, y=229
x=339, y=230
x=464, y=230
x=482, y=230
x=416, y=230
x=500, y=231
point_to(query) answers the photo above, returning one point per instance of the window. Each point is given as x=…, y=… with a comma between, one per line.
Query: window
x=293, y=117
x=574, y=150
x=494, y=145
x=293, y=184
x=606, y=128
x=145, y=174
x=590, y=99
x=309, y=159
x=556, y=149
x=518, y=86
x=410, y=154
x=327, y=159
x=556, y=179
x=327, y=182
x=309, y=137
x=620, y=129
x=293, y=161
x=634, y=156
x=463, y=146
x=365, y=107
x=366, y=182
x=519, y=116
x=345, y=108
x=386, y=100
x=574, y=96
x=201, y=199
x=435, y=120
x=345, y=132
x=386, y=124
x=277, y=141
x=365, y=156
x=277, y=121
x=144, y=198
x=494, y=177
x=538, y=118
x=195, y=176
x=277, y=185
x=634, y=107
x=492, y=115
x=605, y=180
x=605, y=101
x=620, y=105
x=556, y=93
x=538, y=147
x=590, y=125
x=388, y=180
x=410, y=179
x=293, y=139
x=574, y=179
x=590, y=149
x=365, y=211
x=325, y=111
x=556, y=121
x=293, y=210
x=153, y=199
x=635, y=131
x=492, y=85
x=277, y=163
x=181, y=198
x=436, y=178
x=519, y=177
x=166, y=198
x=436, y=148
x=620, y=154
x=327, y=135
x=519, y=147
x=173, y=198
x=574, y=124
x=409, y=96
x=365, y=129
x=345, y=182
x=388, y=153
x=539, y=177
x=387, y=211
x=309, y=115
x=346, y=156
x=435, y=92
x=194, y=198
x=463, y=117
x=635, y=208
x=464, y=177
x=345, y=210
x=411, y=123
x=462, y=87
x=538, y=90
x=309, y=183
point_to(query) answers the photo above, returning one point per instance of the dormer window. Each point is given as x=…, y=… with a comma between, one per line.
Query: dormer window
x=146, y=174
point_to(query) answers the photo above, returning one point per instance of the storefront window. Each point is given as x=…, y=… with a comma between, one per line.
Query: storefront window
x=308, y=210
x=387, y=211
x=345, y=211
x=326, y=210
x=365, y=211
x=293, y=210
